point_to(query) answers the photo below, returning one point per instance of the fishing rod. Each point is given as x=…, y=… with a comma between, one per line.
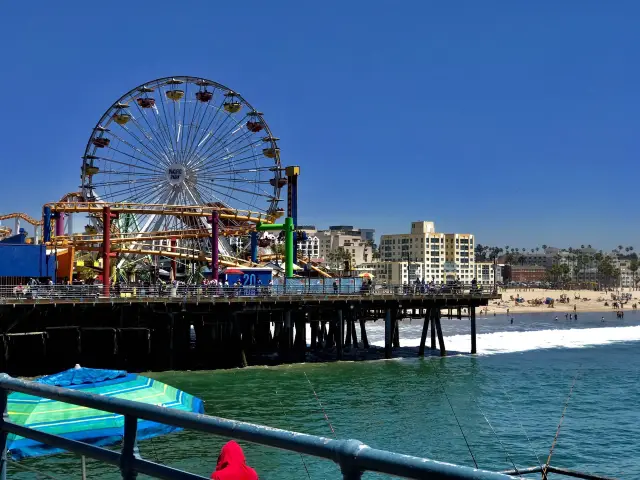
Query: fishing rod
x=284, y=413
x=555, y=439
x=455, y=416
x=521, y=425
x=326, y=417
x=504, y=449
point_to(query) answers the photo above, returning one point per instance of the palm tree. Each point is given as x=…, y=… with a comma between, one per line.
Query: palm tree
x=620, y=247
x=537, y=249
x=544, y=247
x=582, y=247
x=589, y=246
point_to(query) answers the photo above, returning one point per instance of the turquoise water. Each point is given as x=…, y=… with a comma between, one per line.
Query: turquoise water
x=519, y=381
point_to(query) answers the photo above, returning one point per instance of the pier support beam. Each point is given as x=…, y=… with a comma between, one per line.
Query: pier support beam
x=434, y=311
x=388, y=332
x=353, y=332
x=340, y=333
x=443, y=351
x=396, y=330
x=315, y=331
x=347, y=340
x=425, y=329
x=472, y=311
x=363, y=334
x=286, y=339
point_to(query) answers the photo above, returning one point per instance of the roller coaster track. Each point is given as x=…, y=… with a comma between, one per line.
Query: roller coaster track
x=160, y=209
x=80, y=240
x=21, y=216
x=179, y=253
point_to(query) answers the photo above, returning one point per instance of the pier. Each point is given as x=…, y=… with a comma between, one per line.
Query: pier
x=48, y=329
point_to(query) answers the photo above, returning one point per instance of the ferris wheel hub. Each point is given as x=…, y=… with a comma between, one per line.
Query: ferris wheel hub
x=176, y=174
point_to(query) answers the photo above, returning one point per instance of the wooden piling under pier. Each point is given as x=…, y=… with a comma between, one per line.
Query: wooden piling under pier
x=162, y=334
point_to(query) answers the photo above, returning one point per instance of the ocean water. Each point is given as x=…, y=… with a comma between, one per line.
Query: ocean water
x=508, y=400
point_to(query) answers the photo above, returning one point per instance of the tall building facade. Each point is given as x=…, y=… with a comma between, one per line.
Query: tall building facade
x=354, y=241
x=445, y=257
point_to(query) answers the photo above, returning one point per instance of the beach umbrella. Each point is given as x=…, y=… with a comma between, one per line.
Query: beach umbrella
x=366, y=275
x=86, y=424
x=233, y=271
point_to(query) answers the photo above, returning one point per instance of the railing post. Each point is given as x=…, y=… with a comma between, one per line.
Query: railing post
x=350, y=473
x=3, y=435
x=129, y=448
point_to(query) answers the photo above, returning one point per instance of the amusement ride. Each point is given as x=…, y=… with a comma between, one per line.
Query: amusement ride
x=179, y=173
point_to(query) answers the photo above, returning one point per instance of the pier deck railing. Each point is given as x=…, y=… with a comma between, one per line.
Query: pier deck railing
x=352, y=456
x=203, y=293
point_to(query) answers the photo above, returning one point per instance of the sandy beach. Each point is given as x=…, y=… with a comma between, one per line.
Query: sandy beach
x=582, y=300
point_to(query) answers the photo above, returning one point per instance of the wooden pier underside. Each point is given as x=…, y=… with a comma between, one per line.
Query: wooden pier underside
x=43, y=336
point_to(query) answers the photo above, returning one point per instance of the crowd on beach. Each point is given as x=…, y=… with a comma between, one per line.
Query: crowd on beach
x=530, y=300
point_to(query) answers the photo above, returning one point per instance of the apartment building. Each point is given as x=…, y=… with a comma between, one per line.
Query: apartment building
x=445, y=257
x=309, y=248
x=356, y=242
x=394, y=273
x=484, y=273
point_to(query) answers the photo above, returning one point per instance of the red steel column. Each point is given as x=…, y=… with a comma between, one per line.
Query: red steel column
x=215, y=235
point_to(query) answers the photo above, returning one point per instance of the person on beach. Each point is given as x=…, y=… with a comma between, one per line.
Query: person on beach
x=556, y=318
x=232, y=464
x=511, y=320
x=575, y=316
x=602, y=319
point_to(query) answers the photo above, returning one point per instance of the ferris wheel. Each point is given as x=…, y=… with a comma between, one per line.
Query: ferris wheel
x=182, y=141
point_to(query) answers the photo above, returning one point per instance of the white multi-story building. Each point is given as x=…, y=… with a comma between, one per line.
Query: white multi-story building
x=394, y=273
x=484, y=273
x=353, y=241
x=309, y=248
x=445, y=257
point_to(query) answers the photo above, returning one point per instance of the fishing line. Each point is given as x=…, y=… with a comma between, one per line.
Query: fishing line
x=455, y=416
x=326, y=417
x=521, y=425
x=504, y=449
x=284, y=413
x=555, y=439
x=33, y=470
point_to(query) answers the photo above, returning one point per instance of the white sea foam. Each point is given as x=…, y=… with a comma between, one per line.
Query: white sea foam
x=508, y=342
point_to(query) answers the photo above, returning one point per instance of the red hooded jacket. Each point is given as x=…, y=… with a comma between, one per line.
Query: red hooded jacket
x=232, y=464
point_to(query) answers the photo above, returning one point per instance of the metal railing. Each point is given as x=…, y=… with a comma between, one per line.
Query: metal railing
x=209, y=292
x=352, y=456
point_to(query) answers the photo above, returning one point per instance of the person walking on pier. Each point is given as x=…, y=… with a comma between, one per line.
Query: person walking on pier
x=232, y=464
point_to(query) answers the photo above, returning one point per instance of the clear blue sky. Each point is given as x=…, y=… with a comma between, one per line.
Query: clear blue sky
x=516, y=121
